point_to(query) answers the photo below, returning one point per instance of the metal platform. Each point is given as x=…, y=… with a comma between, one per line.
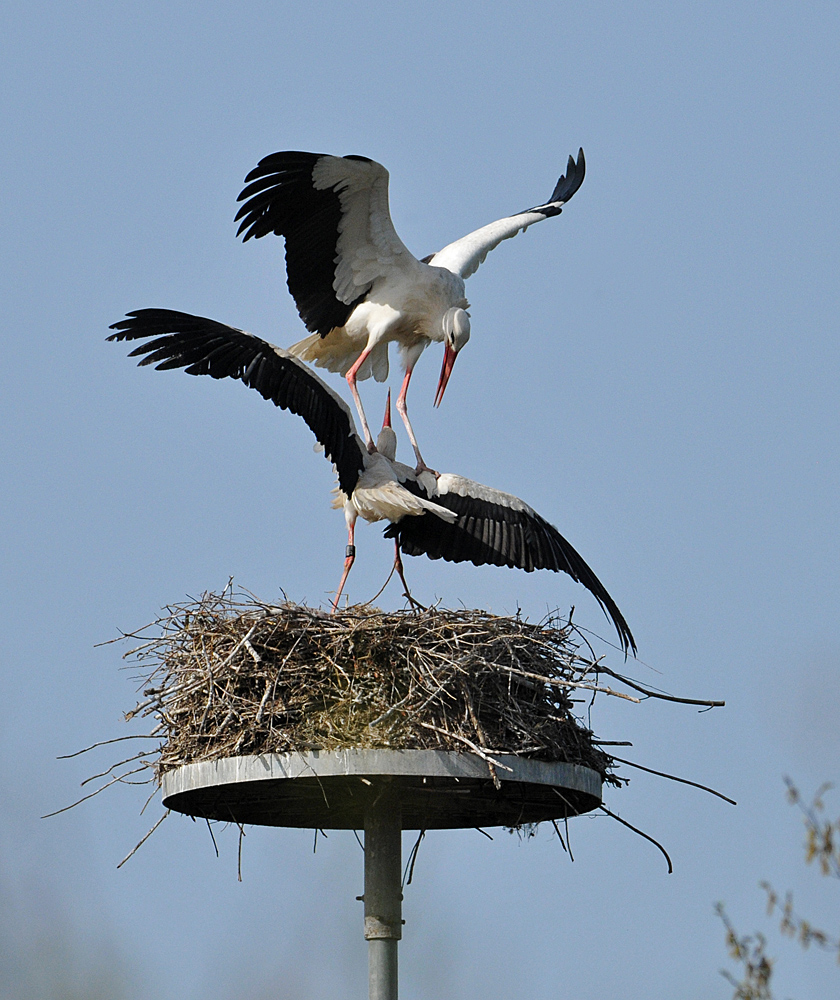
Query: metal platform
x=332, y=790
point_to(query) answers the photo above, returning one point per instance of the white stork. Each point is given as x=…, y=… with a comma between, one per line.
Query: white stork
x=356, y=285
x=446, y=517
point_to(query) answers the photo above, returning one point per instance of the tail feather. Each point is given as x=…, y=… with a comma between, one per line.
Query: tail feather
x=338, y=352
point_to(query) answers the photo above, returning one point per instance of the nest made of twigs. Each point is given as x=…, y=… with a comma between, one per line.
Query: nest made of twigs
x=227, y=676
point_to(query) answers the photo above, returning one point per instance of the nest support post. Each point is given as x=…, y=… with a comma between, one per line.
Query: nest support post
x=383, y=889
x=383, y=792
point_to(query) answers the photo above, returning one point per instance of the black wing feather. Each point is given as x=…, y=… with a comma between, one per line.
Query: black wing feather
x=491, y=533
x=279, y=198
x=204, y=347
x=566, y=186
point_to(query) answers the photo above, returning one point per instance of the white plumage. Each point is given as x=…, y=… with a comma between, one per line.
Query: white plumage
x=379, y=495
x=356, y=285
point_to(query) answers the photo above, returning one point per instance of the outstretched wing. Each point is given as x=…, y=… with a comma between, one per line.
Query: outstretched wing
x=205, y=347
x=501, y=530
x=465, y=255
x=333, y=212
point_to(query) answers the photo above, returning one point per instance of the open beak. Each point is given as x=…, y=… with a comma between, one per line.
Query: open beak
x=387, y=421
x=449, y=357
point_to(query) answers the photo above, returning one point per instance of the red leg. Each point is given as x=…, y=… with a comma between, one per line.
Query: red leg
x=349, y=559
x=351, y=381
x=402, y=408
x=398, y=566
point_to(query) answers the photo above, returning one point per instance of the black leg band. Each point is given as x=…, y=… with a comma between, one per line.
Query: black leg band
x=350, y=552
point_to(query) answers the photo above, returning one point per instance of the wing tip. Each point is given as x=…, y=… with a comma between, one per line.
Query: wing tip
x=570, y=182
x=625, y=636
x=125, y=325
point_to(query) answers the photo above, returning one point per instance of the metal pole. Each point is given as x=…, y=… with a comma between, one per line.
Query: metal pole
x=383, y=895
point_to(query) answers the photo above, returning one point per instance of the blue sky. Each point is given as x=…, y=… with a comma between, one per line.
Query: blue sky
x=655, y=372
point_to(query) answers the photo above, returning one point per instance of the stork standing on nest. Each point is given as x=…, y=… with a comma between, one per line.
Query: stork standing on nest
x=446, y=517
x=379, y=494
x=356, y=285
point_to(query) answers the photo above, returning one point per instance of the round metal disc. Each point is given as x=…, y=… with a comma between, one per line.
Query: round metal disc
x=330, y=790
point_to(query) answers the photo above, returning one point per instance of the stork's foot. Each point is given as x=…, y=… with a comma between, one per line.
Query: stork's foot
x=415, y=604
x=422, y=467
x=371, y=447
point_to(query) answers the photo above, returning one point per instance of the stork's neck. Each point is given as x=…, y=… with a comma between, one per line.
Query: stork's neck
x=386, y=443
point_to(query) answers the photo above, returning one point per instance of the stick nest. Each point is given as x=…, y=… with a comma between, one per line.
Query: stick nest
x=229, y=676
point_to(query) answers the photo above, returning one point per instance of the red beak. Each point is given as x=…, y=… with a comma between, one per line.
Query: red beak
x=449, y=357
x=387, y=421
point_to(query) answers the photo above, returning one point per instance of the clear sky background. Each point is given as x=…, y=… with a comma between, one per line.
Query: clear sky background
x=656, y=372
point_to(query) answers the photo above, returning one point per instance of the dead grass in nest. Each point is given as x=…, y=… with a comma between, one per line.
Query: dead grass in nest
x=228, y=676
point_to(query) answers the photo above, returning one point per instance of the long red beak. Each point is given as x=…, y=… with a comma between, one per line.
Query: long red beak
x=449, y=357
x=387, y=421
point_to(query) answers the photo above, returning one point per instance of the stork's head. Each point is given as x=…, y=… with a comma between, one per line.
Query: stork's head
x=386, y=442
x=456, y=332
